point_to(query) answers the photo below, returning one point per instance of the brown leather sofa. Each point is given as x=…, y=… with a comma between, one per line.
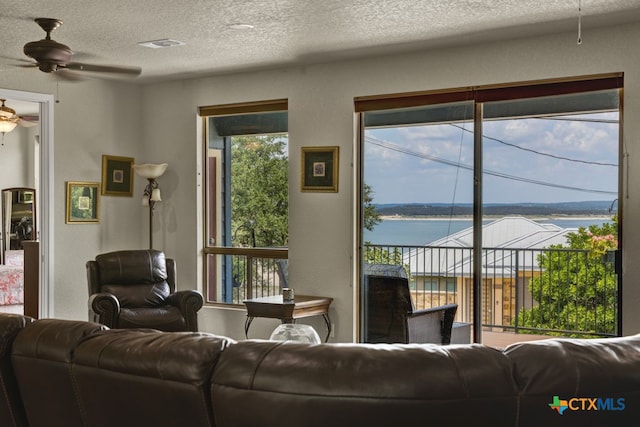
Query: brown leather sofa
x=68, y=373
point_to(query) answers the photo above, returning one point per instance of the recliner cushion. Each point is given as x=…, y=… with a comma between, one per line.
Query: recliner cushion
x=42, y=355
x=135, y=266
x=604, y=370
x=286, y=384
x=149, y=295
x=147, y=378
x=165, y=318
x=137, y=278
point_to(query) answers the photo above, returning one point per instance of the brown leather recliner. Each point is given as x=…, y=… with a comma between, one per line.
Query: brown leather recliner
x=137, y=289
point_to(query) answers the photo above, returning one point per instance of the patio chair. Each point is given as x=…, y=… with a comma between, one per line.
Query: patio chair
x=390, y=316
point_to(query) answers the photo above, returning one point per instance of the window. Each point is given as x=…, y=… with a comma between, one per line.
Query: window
x=463, y=182
x=440, y=285
x=246, y=200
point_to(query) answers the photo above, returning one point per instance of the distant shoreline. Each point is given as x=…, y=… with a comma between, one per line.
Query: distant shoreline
x=469, y=217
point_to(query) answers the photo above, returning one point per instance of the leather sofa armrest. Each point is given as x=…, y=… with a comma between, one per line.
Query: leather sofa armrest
x=189, y=302
x=11, y=408
x=104, y=308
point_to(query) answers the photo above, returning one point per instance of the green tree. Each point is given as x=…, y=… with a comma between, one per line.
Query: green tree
x=371, y=216
x=259, y=191
x=576, y=290
x=372, y=254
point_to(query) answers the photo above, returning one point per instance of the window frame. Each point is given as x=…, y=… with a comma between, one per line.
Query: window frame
x=215, y=250
x=479, y=95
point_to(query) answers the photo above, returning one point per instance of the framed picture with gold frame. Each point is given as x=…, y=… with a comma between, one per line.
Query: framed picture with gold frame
x=117, y=176
x=319, y=169
x=83, y=202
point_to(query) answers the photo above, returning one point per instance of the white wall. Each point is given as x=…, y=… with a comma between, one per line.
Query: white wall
x=321, y=113
x=92, y=118
x=158, y=123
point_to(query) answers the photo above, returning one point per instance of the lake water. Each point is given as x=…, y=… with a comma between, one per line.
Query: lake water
x=416, y=232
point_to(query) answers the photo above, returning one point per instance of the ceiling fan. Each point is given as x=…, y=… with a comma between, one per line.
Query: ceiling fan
x=54, y=57
x=9, y=119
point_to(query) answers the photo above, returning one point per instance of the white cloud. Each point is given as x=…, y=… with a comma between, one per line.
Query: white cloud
x=534, y=149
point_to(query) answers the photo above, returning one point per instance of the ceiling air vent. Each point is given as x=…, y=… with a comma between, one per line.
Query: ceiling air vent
x=162, y=43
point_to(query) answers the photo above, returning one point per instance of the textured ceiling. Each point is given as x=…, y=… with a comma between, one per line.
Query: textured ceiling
x=285, y=32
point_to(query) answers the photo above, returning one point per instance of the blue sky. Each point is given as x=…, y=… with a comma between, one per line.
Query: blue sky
x=536, y=160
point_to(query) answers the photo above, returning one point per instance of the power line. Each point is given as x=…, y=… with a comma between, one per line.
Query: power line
x=390, y=146
x=579, y=119
x=588, y=162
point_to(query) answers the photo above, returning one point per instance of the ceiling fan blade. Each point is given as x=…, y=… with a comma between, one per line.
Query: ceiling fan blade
x=70, y=76
x=130, y=71
x=24, y=63
x=27, y=123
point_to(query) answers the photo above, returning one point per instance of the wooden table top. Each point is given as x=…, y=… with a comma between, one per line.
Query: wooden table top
x=275, y=307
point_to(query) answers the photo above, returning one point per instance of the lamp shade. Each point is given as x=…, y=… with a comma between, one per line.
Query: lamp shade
x=150, y=170
x=155, y=195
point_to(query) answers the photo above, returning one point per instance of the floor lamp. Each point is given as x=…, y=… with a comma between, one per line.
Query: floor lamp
x=151, y=192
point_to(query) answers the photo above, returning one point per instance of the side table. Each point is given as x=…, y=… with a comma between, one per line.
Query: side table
x=288, y=311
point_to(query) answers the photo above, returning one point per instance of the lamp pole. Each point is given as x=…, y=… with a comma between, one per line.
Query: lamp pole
x=151, y=205
x=151, y=192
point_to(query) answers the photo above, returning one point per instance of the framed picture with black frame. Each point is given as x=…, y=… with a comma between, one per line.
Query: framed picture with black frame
x=117, y=176
x=83, y=202
x=319, y=169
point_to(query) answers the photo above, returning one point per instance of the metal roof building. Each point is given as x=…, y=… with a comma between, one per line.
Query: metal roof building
x=451, y=255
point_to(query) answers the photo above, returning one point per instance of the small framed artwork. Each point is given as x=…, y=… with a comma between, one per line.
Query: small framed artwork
x=83, y=202
x=117, y=176
x=320, y=169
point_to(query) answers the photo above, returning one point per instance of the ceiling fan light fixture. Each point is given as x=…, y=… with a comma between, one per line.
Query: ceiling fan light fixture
x=7, y=112
x=8, y=118
x=7, y=126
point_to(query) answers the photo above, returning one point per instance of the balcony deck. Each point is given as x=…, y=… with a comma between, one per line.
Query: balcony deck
x=501, y=340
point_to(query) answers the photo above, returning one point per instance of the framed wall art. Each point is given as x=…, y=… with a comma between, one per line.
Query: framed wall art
x=117, y=176
x=83, y=202
x=320, y=169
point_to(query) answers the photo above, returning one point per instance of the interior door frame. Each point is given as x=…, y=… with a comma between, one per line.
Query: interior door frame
x=45, y=195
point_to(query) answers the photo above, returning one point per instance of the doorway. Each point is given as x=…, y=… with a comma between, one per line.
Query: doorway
x=43, y=173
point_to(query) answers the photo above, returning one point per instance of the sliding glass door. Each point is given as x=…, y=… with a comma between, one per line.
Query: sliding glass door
x=502, y=200
x=550, y=192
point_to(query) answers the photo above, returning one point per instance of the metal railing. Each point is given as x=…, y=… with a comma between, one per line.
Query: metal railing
x=236, y=274
x=563, y=292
